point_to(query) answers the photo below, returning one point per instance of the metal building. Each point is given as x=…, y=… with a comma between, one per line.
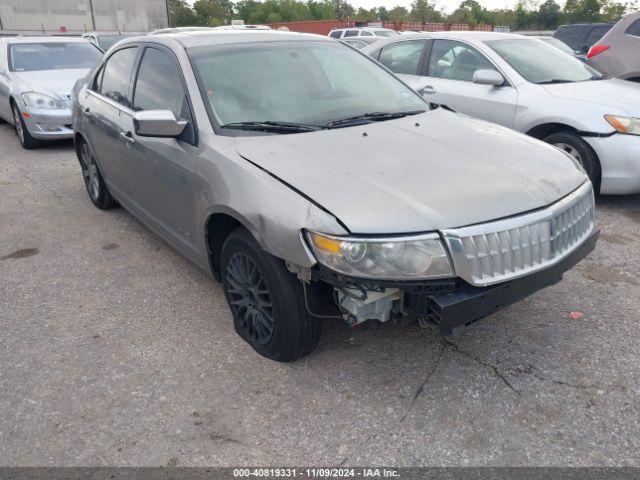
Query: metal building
x=77, y=16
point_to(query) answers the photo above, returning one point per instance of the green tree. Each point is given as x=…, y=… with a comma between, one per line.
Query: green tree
x=523, y=17
x=398, y=15
x=549, y=14
x=589, y=10
x=320, y=10
x=213, y=12
x=423, y=11
x=613, y=11
x=383, y=14
x=570, y=11
x=181, y=14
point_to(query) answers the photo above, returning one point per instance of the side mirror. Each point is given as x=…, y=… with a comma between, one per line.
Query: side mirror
x=158, y=123
x=488, y=77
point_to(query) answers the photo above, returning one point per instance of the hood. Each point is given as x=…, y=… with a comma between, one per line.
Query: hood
x=58, y=83
x=425, y=172
x=621, y=95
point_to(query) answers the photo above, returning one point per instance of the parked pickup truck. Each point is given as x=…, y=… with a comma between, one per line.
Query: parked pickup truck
x=315, y=184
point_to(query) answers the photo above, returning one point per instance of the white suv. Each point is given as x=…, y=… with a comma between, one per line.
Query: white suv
x=341, y=33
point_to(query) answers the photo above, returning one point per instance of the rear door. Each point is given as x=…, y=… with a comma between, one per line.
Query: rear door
x=448, y=80
x=104, y=106
x=161, y=170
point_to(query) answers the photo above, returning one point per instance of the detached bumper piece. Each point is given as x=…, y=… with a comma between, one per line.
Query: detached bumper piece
x=468, y=304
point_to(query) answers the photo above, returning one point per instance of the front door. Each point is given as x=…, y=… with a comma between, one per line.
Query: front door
x=449, y=81
x=160, y=170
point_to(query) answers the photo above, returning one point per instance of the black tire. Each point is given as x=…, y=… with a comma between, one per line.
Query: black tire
x=579, y=149
x=22, y=132
x=273, y=296
x=93, y=181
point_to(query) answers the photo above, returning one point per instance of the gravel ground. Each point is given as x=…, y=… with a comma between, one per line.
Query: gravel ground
x=115, y=350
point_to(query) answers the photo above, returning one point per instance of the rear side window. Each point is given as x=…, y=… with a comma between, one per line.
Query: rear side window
x=595, y=35
x=634, y=29
x=366, y=34
x=116, y=75
x=403, y=57
x=572, y=36
x=336, y=34
x=351, y=33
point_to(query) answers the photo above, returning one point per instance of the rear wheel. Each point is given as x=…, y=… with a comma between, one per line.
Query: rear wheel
x=26, y=140
x=266, y=301
x=581, y=151
x=93, y=181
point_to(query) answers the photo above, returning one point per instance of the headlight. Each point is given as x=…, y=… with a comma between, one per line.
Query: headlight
x=628, y=125
x=40, y=100
x=398, y=258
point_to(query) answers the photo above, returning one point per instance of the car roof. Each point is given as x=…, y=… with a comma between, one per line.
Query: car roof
x=576, y=25
x=226, y=37
x=360, y=28
x=59, y=39
x=458, y=35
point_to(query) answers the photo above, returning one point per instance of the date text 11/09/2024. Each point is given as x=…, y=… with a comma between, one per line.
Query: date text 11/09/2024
x=316, y=472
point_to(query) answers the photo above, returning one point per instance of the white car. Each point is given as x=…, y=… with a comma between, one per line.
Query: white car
x=530, y=86
x=341, y=33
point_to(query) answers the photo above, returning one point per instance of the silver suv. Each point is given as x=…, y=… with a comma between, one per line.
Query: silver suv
x=314, y=184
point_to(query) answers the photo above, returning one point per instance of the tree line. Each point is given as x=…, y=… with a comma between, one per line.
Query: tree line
x=527, y=14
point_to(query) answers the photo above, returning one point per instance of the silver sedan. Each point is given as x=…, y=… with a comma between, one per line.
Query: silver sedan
x=328, y=188
x=36, y=78
x=525, y=84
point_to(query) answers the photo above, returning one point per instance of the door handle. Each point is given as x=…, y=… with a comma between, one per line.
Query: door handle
x=428, y=90
x=87, y=112
x=127, y=137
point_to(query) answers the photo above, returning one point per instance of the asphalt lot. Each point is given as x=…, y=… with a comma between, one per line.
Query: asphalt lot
x=115, y=350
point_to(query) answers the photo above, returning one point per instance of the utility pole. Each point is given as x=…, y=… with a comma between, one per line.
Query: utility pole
x=169, y=23
x=93, y=18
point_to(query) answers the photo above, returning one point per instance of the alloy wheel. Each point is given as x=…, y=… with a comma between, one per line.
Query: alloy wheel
x=18, y=124
x=90, y=172
x=249, y=298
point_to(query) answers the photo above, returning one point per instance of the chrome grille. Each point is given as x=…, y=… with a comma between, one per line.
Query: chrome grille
x=498, y=251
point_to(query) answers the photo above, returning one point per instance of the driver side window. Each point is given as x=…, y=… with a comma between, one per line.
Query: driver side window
x=454, y=60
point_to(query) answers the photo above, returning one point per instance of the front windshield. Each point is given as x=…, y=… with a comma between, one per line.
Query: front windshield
x=26, y=57
x=312, y=83
x=108, y=41
x=539, y=62
x=554, y=42
x=386, y=33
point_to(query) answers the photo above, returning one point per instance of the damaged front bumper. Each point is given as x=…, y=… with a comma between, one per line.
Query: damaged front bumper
x=447, y=304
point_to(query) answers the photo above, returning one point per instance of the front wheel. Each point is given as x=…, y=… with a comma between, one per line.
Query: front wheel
x=266, y=301
x=26, y=139
x=581, y=151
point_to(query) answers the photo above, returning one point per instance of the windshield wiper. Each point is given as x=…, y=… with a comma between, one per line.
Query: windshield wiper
x=370, y=117
x=269, y=126
x=555, y=80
